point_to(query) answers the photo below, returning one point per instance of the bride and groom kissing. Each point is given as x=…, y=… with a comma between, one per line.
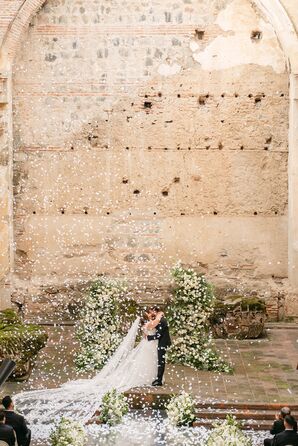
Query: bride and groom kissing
x=156, y=329
x=130, y=366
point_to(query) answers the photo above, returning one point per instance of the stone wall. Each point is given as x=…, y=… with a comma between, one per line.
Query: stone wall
x=144, y=134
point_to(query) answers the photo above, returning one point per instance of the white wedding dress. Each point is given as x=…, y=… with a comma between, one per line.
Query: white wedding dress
x=128, y=367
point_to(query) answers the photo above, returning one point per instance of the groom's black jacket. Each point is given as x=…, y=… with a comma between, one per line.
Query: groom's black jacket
x=162, y=334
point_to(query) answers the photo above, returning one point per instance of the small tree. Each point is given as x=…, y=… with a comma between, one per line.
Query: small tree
x=102, y=323
x=188, y=313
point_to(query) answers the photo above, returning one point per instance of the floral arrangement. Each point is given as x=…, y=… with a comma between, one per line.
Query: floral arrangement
x=188, y=314
x=68, y=433
x=102, y=323
x=113, y=408
x=228, y=433
x=181, y=410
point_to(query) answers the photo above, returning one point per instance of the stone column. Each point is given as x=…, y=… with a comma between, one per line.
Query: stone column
x=292, y=304
x=6, y=194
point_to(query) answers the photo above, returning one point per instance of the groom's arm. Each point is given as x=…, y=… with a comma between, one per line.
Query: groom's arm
x=152, y=337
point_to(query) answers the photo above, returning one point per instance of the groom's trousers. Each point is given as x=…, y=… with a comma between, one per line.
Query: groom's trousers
x=161, y=352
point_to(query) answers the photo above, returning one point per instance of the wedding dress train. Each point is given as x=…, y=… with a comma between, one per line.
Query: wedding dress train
x=128, y=367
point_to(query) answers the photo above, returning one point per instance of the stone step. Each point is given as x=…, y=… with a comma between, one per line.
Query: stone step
x=239, y=415
x=273, y=407
x=249, y=425
x=156, y=398
x=253, y=416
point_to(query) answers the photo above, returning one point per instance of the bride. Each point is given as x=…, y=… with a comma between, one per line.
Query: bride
x=128, y=367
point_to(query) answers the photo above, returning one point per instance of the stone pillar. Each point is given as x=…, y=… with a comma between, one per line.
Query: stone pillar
x=292, y=304
x=6, y=197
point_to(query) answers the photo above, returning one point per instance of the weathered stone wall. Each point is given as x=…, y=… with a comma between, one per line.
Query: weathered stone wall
x=148, y=133
x=222, y=203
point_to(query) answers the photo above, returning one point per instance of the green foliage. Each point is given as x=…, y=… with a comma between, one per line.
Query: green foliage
x=228, y=433
x=68, y=433
x=114, y=406
x=9, y=317
x=19, y=342
x=181, y=410
x=103, y=322
x=188, y=314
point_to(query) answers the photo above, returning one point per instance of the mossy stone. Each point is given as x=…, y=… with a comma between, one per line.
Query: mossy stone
x=20, y=342
x=238, y=317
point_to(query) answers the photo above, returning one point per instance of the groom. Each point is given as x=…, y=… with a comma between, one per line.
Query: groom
x=164, y=341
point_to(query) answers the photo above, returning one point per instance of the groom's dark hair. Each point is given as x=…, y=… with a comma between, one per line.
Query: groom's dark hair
x=154, y=308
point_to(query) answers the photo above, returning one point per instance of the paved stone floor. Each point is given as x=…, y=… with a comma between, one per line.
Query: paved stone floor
x=265, y=369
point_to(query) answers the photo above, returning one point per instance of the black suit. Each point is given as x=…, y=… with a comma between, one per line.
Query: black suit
x=286, y=438
x=164, y=341
x=277, y=428
x=7, y=434
x=19, y=425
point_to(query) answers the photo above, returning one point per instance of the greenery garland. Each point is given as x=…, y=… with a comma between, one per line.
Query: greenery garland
x=188, y=314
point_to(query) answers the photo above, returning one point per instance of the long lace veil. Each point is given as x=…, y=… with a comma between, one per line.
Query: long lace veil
x=76, y=399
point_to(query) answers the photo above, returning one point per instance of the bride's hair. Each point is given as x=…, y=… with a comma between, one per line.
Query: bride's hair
x=155, y=308
x=144, y=319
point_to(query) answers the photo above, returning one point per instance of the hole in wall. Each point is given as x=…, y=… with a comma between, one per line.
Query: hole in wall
x=255, y=213
x=241, y=147
x=258, y=99
x=199, y=34
x=147, y=104
x=220, y=146
x=34, y=212
x=236, y=95
x=136, y=191
x=62, y=211
x=182, y=213
x=202, y=100
x=125, y=180
x=176, y=180
x=178, y=95
x=256, y=35
x=215, y=213
x=165, y=192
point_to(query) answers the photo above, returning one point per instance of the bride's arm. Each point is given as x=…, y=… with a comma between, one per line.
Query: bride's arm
x=152, y=324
